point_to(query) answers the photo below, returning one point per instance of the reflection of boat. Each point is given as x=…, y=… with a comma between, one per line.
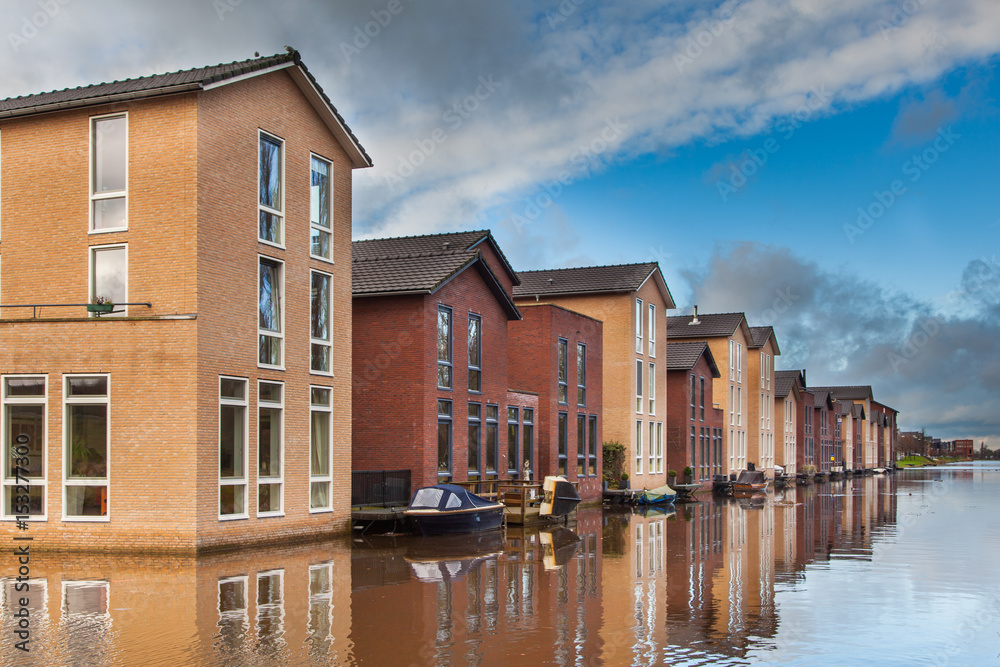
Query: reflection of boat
x=448, y=557
x=655, y=511
x=661, y=494
x=561, y=497
x=558, y=546
x=447, y=508
x=750, y=481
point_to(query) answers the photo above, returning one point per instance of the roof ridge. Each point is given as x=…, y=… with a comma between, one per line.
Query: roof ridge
x=422, y=236
x=700, y=315
x=596, y=266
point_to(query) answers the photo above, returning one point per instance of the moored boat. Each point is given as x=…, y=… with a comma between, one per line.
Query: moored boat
x=660, y=495
x=560, y=497
x=750, y=481
x=447, y=508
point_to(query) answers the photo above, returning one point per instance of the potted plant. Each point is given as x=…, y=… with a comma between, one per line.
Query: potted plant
x=100, y=304
x=688, y=474
x=623, y=482
x=672, y=477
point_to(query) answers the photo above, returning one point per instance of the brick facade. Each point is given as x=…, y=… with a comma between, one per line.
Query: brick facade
x=694, y=428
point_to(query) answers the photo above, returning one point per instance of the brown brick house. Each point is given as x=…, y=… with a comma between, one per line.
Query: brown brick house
x=694, y=424
x=211, y=407
x=787, y=412
x=761, y=354
x=631, y=300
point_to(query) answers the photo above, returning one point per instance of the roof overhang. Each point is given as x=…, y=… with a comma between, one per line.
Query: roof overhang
x=661, y=285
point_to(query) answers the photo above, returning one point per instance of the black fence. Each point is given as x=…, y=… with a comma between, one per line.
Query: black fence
x=380, y=488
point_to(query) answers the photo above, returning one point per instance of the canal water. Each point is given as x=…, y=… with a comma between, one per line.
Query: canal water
x=881, y=570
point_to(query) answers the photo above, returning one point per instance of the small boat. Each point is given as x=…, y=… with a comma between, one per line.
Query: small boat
x=560, y=497
x=750, y=481
x=661, y=494
x=879, y=471
x=447, y=508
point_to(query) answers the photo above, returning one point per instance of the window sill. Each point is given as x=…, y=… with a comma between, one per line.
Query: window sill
x=271, y=368
x=86, y=519
x=321, y=510
x=109, y=230
x=271, y=244
x=325, y=260
x=233, y=517
x=269, y=515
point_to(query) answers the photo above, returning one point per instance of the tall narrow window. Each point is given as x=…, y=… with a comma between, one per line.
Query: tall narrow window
x=739, y=362
x=563, y=442
x=109, y=173
x=592, y=445
x=492, y=440
x=581, y=445
x=739, y=406
x=652, y=448
x=732, y=359
x=270, y=324
x=563, y=370
x=87, y=448
x=233, y=615
x=694, y=399
x=475, y=353
x=652, y=389
x=232, y=448
x=24, y=445
x=638, y=447
x=763, y=363
x=694, y=448
x=638, y=326
x=652, y=330
x=659, y=447
x=512, y=444
x=319, y=331
x=581, y=374
x=271, y=190
x=270, y=609
x=320, y=456
x=638, y=386
x=444, y=347
x=109, y=276
x=270, y=448
x=701, y=401
x=732, y=405
x=528, y=441
x=475, y=437
x=444, y=440
x=320, y=210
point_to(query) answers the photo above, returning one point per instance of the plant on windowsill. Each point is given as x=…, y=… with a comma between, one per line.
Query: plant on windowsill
x=100, y=304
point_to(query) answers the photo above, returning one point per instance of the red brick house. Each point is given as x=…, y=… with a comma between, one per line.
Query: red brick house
x=694, y=424
x=557, y=353
x=824, y=423
x=963, y=448
x=805, y=426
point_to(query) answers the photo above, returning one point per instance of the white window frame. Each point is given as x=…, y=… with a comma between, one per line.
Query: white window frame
x=117, y=194
x=638, y=326
x=242, y=613
x=312, y=226
x=261, y=208
x=91, y=278
x=280, y=335
x=639, y=366
x=5, y=402
x=329, y=325
x=739, y=406
x=739, y=362
x=269, y=606
x=652, y=329
x=732, y=360
x=328, y=477
x=321, y=600
x=244, y=480
x=278, y=479
x=72, y=583
x=732, y=405
x=652, y=388
x=89, y=481
x=659, y=447
x=651, y=449
x=638, y=447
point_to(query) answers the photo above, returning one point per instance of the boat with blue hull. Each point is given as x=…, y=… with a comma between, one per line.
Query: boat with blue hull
x=446, y=509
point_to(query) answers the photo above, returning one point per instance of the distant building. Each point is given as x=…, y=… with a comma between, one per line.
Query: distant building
x=787, y=408
x=964, y=448
x=694, y=424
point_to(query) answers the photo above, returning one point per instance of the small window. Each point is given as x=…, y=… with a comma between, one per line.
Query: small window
x=109, y=277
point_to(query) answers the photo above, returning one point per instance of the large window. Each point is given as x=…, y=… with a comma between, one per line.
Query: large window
x=592, y=444
x=492, y=440
x=24, y=445
x=232, y=448
x=444, y=347
x=475, y=437
x=563, y=443
x=581, y=445
x=109, y=275
x=319, y=332
x=87, y=450
x=512, y=444
x=581, y=374
x=270, y=203
x=563, y=370
x=270, y=448
x=320, y=456
x=475, y=353
x=270, y=348
x=652, y=330
x=320, y=209
x=109, y=173
x=528, y=441
x=444, y=439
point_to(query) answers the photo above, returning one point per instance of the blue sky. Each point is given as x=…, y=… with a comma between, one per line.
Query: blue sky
x=474, y=112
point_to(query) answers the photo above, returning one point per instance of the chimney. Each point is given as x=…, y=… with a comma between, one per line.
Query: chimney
x=446, y=245
x=695, y=320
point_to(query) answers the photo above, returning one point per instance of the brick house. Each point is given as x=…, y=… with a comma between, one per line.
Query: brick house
x=761, y=354
x=694, y=424
x=805, y=433
x=558, y=354
x=824, y=420
x=630, y=300
x=210, y=407
x=879, y=429
x=787, y=407
x=728, y=337
x=964, y=448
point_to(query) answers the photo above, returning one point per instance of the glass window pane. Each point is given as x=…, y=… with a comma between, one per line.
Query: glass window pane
x=35, y=501
x=319, y=434
x=87, y=386
x=270, y=173
x=269, y=351
x=474, y=351
x=269, y=305
x=110, y=277
x=444, y=335
x=24, y=436
x=110, y=154
x=320, y=306
x=444, y=446
x=33, y=386
x=319, y=495
x=109, y=213
x=232, y=447
x=269, y=442
x=319, y=396
x=86, y=501
x=270, y=392
x=319, y=194
x=270, y=227
x=232, y=499
x=88, y=439
x=444, y=408
x=319, y=243
x=269, y=498
x=232, y=388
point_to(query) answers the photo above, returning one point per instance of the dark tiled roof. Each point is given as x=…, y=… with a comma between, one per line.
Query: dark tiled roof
x=858, y=411
x=683, y=355
x=711, y=325
x=587, y=279
x=844, y=407
x=163, y=84
x=784, y=381
x=857, y=393
x=759, y=336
